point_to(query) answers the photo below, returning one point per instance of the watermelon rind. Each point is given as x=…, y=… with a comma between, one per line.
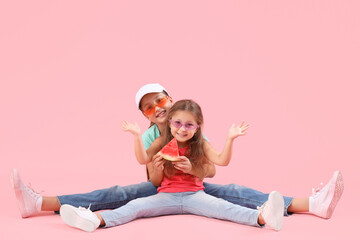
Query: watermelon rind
x=170, y=151
x=169, y=158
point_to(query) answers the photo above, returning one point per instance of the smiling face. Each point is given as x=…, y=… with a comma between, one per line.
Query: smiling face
x=155, y=106
x=188, y=129
x=185, y=123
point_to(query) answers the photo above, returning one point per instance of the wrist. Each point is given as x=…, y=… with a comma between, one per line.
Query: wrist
x=230, y=139
x=137, y=136
x=192, y=172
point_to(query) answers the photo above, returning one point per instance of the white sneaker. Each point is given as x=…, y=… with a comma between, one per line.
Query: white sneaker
x=29, y=201
x=80, y=217
x=323, y=201
x=273, y=211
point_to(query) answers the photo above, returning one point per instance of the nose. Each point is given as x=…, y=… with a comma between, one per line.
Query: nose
x=183, y=128
x=157, y=109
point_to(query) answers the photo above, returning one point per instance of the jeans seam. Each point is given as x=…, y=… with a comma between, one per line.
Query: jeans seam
x=225, y=197
x=108, y=205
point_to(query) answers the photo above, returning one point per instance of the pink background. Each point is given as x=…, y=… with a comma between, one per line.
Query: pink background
x=69, y=71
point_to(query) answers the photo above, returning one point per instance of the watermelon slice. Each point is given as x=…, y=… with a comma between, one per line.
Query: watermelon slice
x=170, y=151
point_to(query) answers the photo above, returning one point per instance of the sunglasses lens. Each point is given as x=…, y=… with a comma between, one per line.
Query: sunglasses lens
x=149, y=111
x=190, y=126
x=162, y=102
x=187, y=126
x=176, y=124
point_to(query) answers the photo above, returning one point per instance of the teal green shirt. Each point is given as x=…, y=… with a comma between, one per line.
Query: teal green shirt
x=151, y=134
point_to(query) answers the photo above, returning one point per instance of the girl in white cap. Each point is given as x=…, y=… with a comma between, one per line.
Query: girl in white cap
x=154, y=102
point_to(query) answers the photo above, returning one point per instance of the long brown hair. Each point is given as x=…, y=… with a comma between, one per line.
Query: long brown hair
x=196, y=152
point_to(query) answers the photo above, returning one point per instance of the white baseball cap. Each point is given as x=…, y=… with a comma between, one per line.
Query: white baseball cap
x=148, y=88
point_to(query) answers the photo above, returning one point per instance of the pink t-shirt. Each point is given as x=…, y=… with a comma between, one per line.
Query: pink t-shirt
x=181, y=182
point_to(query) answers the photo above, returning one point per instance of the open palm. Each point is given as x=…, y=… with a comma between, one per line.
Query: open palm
x=130, y=127
x=236, y=131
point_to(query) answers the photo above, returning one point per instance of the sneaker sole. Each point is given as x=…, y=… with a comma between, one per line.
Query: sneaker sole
x=278, y=200
x=339, y=188
x=70, y=217
x=15, y=183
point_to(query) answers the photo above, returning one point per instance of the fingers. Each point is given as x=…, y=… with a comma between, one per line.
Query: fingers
x=157, y=157
x=178, y=168
x=124, y=125
x=183, y=158
x=159, y=164
x=238, y=130
x=244, y=127
x=130, y=127
x=183, y=167
x=183, y=164
x=158, y=161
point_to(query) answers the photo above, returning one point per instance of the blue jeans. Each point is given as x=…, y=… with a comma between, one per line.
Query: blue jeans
x=117, y=196
x=197, y=203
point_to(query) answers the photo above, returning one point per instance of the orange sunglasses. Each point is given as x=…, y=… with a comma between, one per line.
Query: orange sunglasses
x=150, y=109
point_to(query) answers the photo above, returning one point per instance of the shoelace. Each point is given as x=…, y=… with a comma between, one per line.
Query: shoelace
x=31, y=191
x=261, y=209
x=85, y=209
x=315, y=191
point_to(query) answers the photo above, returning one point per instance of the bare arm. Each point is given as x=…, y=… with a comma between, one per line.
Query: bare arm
x=155, y=147
x=140, y=151
x=210, y=170
x=223, y=158
x=156, y=170
x=154, y=175
x=219, y=158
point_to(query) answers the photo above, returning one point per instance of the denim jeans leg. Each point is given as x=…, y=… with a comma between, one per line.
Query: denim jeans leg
x=109, y=198
x=200, y=203
x=242, y=195
x=156, y=205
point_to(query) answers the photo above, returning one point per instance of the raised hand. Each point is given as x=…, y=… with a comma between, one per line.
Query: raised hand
x=236, y=131
x=130, y=127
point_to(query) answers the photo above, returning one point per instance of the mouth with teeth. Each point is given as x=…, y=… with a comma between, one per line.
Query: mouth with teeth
x=182, y=135
x=160, y=114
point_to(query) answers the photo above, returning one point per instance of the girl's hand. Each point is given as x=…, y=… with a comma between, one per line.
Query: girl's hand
x=158, y=162
x=236, y=131
x=131, y=127
x=183, y=164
